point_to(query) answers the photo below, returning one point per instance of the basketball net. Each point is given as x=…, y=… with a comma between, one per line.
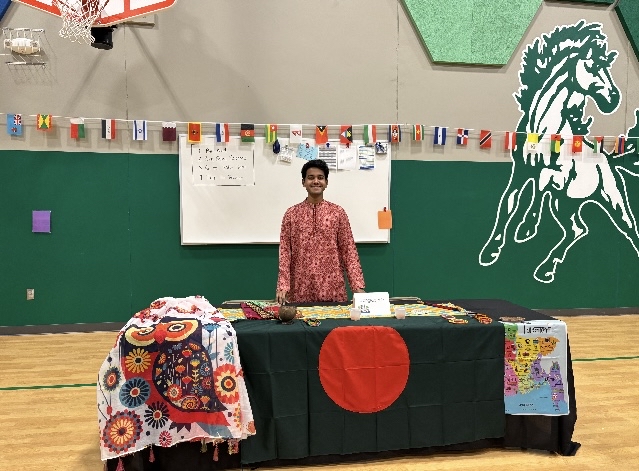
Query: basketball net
x=77, y=18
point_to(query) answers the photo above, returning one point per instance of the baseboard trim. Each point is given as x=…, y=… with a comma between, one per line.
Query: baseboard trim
x=596, y=311
x=61, y=328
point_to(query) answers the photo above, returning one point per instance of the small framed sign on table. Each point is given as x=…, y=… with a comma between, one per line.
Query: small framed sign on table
x=372, y=304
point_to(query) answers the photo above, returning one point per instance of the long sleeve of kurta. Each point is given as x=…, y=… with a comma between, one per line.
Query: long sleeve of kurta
x=316, y=249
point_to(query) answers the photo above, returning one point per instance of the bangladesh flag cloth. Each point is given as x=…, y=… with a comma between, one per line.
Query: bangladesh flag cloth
x=380, y=385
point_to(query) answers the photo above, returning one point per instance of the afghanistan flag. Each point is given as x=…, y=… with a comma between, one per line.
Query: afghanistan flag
x=247, y=132
x=485, y=139
x=380, y=385
x=194, y=133
x=555, y=143
x=321, y=134
x=44, y=122
x=270, y=132
x=14, y=124
x=77, y=128
x=169, y=131
x=370, y=133
x=108, y=129
x=577, y=144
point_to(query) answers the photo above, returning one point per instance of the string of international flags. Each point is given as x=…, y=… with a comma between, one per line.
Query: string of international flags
x=371, y=133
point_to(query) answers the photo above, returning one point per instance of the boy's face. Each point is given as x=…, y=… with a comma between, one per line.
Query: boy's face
x=315, y=183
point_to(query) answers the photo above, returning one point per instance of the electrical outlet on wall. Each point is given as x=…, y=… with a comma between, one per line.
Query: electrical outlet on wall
x=30, y=294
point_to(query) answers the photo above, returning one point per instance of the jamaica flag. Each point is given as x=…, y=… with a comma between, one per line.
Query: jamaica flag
x=379, y=385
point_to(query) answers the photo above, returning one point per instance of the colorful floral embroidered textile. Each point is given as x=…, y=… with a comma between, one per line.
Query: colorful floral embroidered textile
x=173, y=375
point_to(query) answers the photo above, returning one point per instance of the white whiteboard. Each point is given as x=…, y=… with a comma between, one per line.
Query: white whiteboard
x=252, y=210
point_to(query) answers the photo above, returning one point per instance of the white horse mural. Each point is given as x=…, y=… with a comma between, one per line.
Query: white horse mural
x=560, y=73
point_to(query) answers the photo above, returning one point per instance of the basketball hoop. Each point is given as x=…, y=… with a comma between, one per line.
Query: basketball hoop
x=78, y=16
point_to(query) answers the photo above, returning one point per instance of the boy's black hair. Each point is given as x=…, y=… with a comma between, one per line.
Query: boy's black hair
x=317, y=163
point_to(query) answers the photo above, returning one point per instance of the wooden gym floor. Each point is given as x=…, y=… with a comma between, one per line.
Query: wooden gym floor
x=48, y=416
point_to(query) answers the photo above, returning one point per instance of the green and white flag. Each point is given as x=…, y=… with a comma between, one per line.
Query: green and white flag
x=370, y=133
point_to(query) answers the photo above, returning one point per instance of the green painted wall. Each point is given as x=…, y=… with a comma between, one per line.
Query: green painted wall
x=115, y=242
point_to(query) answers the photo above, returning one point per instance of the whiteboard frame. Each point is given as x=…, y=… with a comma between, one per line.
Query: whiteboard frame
x=214, y=214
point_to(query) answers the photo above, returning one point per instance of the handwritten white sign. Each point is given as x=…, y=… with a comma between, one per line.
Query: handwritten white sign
x=372, y=304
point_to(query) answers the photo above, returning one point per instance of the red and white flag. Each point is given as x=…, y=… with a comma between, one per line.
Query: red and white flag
x=510, y=141
x=108, y=129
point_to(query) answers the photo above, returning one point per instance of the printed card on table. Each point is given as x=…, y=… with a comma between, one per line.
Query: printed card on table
x=372, y=304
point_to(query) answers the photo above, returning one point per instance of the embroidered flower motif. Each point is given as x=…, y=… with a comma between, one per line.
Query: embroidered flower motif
x=206, y=382
x=190, y=403
x=228, y=353
x=134, y=392
x=205, y=369
x=174, y=392
x=111, y=378
x=157, y=304
x=122, y=431
x=138, y=360
x=226, y=384
x=165, y=439
x=156, y=415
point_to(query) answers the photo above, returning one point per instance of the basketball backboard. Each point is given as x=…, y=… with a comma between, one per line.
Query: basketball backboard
x=116, y=11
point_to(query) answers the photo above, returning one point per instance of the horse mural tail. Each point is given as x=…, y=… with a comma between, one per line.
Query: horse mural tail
x=560, y=72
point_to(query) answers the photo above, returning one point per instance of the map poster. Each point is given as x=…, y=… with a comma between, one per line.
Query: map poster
x=535, y=365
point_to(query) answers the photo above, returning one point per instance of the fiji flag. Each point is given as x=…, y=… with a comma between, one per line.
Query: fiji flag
x=14, y=124
x=440, y=136
x=139, y=130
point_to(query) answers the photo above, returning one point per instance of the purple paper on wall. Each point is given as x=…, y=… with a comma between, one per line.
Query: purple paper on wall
x=41, y=221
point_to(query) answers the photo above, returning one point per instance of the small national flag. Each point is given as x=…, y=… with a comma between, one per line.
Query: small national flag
x=462, y=136
x=346, y=134
x=321, y=134
x=44, y=122
x=247, y=132
x=139, y=130
x=222, y=132
x=440, y=136
x=271, y=133
x=169, y=131
x=485, y=139
x=510, y=141
x=370, y=134
x=577, y=144
x=533, y=142
x=394, y=133
x=14, y=124
x=555, y=143
x=598, y=145
x=418, y=132
x=77, y=128
x=296, y=134
x=620, y=144
x=108, y=129
x=194, y=132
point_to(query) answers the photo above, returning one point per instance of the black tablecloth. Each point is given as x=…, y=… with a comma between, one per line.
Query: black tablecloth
x=293, y=438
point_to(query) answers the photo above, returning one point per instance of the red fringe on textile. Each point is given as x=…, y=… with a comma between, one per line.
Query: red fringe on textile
x=215, y=457
x=151, y=456
x=120, y=465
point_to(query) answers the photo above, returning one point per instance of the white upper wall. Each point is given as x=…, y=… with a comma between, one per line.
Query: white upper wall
x=281, y=61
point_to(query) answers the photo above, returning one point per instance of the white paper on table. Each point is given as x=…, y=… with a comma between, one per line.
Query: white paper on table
x=372, y=304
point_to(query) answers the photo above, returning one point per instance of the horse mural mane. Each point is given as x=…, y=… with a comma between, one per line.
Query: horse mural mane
x=547, y=51
x=561, y=72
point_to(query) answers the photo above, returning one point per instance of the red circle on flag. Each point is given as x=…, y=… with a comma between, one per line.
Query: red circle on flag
x=364, y=369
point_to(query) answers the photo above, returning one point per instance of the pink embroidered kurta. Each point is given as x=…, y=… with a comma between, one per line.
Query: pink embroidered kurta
x=316, y=248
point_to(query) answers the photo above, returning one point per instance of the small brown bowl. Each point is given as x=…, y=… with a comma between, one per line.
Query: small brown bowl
x=287, y=313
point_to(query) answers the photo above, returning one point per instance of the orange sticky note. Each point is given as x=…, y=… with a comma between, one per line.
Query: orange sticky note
x=384, y=219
